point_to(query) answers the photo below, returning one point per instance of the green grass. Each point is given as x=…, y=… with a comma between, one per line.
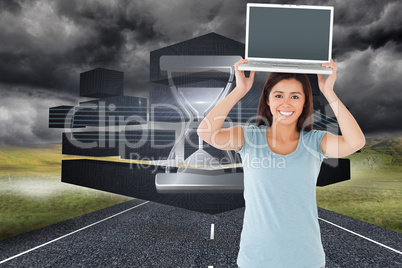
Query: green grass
x=29, y=203
x=374, y=193
x=43, y=159
x=371, y=197
x=32, y=195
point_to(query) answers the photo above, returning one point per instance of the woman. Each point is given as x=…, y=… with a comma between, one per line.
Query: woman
x=281, y=159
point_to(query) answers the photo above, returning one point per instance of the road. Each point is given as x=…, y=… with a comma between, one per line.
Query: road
x=140, y=233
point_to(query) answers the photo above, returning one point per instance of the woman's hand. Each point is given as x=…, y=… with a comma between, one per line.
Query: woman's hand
x=327, y=85
x=243, y=84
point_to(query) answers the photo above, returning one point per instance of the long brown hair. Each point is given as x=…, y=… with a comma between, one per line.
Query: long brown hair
x=305, y=120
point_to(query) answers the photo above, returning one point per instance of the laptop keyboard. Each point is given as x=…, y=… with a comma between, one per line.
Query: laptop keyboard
x=285, y=63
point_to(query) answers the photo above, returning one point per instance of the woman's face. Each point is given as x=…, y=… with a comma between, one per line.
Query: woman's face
x=286, y=96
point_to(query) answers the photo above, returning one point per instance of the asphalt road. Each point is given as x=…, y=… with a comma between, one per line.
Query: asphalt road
x=139, y=233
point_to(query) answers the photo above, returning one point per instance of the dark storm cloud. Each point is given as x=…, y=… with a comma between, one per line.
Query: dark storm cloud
x=110, y=23
x=51, y=42
x=34, y=47
x=369, y=84
x=362, y=24
x=45, y=45
x=24, y=115
x=11, y=6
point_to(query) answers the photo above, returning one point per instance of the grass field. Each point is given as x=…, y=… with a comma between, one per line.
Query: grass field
x=374, y=194
x=29, y=203
x=32, y=195
x=370, y=197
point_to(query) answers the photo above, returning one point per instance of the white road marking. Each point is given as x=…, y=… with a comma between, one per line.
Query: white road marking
x=212, y=231
x=212, y=235
x=362, y=236
x=61, y=237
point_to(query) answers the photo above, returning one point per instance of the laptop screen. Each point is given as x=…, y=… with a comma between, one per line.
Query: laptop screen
x=289, y=33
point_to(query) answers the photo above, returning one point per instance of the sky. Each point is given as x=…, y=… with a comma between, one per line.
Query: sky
x=45, y=45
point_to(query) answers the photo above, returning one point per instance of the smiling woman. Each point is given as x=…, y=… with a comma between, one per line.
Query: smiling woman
x=284, y=92
x=281, y=217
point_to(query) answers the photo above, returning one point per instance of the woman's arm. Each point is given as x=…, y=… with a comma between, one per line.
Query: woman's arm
x=210, y=128
x=352, y=138
x=215, y=118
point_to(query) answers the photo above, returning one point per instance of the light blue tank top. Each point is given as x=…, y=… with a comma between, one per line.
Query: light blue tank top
x=280, y=227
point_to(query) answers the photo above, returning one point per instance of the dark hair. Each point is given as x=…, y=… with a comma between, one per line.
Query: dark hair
x=305, y=120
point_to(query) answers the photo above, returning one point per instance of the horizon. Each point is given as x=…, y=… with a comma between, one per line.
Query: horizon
x=384, y=135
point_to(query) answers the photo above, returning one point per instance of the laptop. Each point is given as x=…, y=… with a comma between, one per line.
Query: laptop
x=288, y=38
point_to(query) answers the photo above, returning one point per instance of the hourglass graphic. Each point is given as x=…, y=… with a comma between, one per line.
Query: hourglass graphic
x=200, y=172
